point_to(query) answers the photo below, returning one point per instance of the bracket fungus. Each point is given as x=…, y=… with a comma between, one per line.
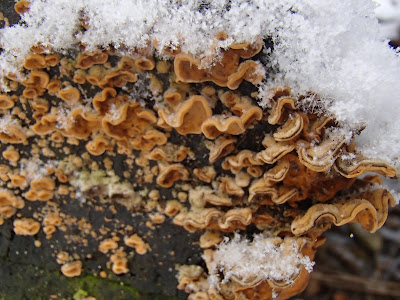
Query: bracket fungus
x=109, y=138
x=26, y=226
x=135, y=241
x=188, y=116
x=72, y=269
x=6, y=102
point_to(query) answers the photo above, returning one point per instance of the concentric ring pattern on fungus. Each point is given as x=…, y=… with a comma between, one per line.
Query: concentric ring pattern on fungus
x=165, y=141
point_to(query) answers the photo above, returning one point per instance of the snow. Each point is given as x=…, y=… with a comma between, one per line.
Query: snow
x=6, y=121
x=267, y=258
x=388, y=12
x=64, y=119
x=35, y=168
x=336, y=49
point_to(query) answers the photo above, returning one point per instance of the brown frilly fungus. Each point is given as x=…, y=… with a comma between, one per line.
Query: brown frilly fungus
x=6, y=102
x=72, y=269
x=26, y=226
x=135, y=241
x=201, y=152
x=22, y=6
x=188, y=116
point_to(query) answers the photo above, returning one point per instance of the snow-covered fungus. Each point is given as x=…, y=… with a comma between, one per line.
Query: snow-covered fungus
x=211, y=129
x=11, y=131
x=281, y=270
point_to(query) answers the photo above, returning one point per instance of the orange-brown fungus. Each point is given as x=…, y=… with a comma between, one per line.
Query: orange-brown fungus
x=102, y=145
x=206, y=174
x=37, y=79
x=103, y=101
x=108, y=245
x=370, y=209
x=217, y=125
x=135, y=241
x=85, y=61
x=248, y=70
x=188, y=116
x=210, y=239
x=11, y=154
x=81, y=124
x=72, y=269
x=187, y=68
x=13, y=133
x=79, y=76
x=26, y=226
x=47, y=124
x=169, y=174
x=9, y=204
x=18, y=180
x=117, y=78
x=52, y=60
x=22, y=6
x=35, y=61
x=53, y=86
x=6, y=102
x=95, y=74
x=70, y=94
x=119, y=263
x=41, y=189
x=144, y=64
x=222, y=147
x=98, y=145
x=174, y=95
x=128, y=121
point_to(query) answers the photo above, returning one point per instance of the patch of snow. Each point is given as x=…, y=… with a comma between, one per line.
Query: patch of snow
x=6, y=121
x=266, y=257
x=114, y=113
x=36, y=168
x=64, y=118
x=388, y=12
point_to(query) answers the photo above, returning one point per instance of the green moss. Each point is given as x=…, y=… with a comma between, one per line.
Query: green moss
x=80, y=295
x=40, y=284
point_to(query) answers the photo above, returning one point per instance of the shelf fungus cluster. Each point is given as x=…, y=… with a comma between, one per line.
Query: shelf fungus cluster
x=171, y=141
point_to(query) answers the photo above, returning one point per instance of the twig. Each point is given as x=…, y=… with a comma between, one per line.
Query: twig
x=359, y=284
